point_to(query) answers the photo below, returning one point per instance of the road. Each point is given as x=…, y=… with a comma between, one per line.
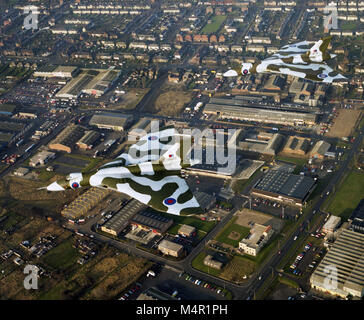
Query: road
x=241, y=291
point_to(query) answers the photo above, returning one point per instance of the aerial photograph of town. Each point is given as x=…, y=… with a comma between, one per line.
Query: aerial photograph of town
x=190, y=150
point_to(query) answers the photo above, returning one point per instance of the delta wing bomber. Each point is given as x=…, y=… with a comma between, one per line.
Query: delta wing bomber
x=301, y=60
x=150, y=172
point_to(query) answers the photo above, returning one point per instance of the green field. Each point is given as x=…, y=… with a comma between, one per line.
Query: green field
x=348, y=196
x=223, y=236
x=62, y=256
x=215, y=24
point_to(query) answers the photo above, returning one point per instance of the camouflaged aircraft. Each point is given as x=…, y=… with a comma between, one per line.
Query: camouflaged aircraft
x=301, y=60
x=149, y=172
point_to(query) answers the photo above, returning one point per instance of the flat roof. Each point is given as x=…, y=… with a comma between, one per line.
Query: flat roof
x=152, y=220
x=347, y=257
x=121, y=218
x=110, y=119
x=284, y=183
x=166, y=244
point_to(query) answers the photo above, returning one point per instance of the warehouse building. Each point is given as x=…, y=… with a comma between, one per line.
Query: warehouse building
x=331, y=225
x=111, y=121
x=67, y=139
x=284, y=187
x=357, y=218
x=41, y=158
x=56, y=72
x=152, y=222
x=84, y=203
x=345, y=262
x=88, y=140
x=259, y=235
x=263, y=142
x=320, y=149
x=170, y=248
x=243, y=113
x=206, y=201
x=139, y=129
x=297, y=146
x=94, y=82
x=121, y=219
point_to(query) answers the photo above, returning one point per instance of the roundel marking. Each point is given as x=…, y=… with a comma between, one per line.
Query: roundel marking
x=75, y=185
x=322, y=75
x=152, y=138
x=245, y=71
x=170, y=201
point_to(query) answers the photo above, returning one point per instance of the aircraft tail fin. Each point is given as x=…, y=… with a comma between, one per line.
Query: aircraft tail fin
x=318, y=51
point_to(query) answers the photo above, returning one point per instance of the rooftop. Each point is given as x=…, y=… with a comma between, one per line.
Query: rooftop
x=282, y=182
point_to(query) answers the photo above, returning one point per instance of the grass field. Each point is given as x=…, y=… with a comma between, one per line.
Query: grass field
x=238, y=269
x=62, y=256
x=348, y=196
x=215, y=24
x=172, y=102
x=225, y=235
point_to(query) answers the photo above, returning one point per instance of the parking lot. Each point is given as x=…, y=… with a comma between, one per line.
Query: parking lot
x=274, y=208
x=169, y=281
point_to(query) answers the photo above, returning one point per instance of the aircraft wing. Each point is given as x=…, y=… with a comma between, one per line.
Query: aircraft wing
x=319, y=72
x=150, y=183
x=149, y=148
x=291, y=50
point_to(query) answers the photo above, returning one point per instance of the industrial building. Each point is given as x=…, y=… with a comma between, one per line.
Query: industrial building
x=67, y=139
x=281, y=186
x=209, y=261
x=297, y=146
x=84, y=203
x=111, y=121
x=187, y=231
x=121, y=219
x=170, y=248
x=94, y=82
x=206, y=201
x=259, y=235
x=21, y=172
x=341, y=271
x=331, y=224
x=150, y=221
x=56, y=72
x=41, y=158
x=260, y=114
x=357, y=218
x=154, y=294
x=320, y=149
x=139, y=129
x=263, y=142
x=88, y=140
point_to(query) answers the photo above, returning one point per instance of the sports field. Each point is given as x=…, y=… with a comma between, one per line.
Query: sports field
x=232, y=233
x=215, y=24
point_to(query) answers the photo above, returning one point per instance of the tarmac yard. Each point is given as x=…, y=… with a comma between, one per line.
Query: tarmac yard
x=344, y=123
